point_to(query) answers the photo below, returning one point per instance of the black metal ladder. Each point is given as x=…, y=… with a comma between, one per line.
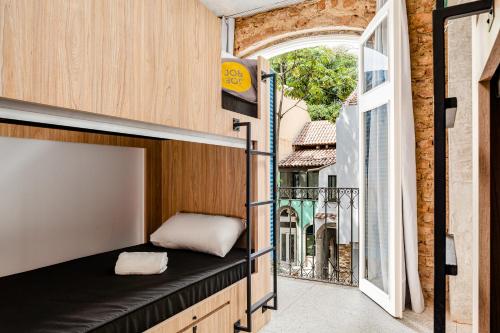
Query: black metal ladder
x=251, y=256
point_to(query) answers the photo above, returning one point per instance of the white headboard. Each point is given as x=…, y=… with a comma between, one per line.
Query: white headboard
x=60, y=201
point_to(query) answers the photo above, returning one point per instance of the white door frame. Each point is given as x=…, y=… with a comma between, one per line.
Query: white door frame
x=386, y=93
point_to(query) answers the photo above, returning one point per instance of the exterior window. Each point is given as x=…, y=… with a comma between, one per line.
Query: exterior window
x=288, y=225
x=292, y=248
x=309, y=241
x=313, y=179
x=332, y=188
x=283, y=247
x=375, y=63
x=332, y=181
x=299, y=180
x=286, y=181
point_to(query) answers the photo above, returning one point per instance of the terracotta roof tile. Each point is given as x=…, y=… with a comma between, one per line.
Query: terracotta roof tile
x=309, y=158
x=352, y=99
x=321, y=132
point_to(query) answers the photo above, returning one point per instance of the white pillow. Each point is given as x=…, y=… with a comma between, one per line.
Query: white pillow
x=198, y=232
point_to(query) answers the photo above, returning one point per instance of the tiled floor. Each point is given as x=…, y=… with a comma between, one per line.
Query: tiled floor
x=315, y=307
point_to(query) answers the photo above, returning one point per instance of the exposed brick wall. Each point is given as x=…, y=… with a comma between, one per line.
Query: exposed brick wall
x=357, y=14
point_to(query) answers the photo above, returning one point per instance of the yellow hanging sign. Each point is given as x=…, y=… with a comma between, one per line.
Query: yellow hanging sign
x=235, y=77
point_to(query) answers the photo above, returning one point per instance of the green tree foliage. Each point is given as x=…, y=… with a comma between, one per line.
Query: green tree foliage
x=320, y=76
x=324, y=112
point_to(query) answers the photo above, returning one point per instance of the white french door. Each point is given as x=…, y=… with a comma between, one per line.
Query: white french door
x=381, y=247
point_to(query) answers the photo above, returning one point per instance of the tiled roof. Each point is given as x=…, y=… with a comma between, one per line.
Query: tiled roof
x=320, y=132
x=352, y=99
x=309, y=158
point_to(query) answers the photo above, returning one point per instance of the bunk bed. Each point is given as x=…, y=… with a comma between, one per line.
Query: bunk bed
x=84, y=294
x=110, y=94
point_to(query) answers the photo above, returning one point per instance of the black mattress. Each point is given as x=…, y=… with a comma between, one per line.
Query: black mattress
x=84, y=295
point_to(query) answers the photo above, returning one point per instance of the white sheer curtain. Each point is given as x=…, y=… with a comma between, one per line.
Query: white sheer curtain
x=377, y=197
x=409, y=178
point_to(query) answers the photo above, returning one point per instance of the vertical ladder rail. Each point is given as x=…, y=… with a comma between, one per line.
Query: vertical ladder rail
x=274, y=196
x=262, y=303
x=248, y=206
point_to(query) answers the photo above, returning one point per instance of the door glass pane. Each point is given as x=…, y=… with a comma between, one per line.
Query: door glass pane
x=375, y=58
x=313, y=178
x=303, y=179
x=313, y=181
x=376, y=186
x=285, y=179
x=332, y=188
x=283, y=247
x=292, y=247
x=309, y=241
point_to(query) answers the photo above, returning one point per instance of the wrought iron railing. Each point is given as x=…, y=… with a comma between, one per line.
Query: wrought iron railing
x=318, y=233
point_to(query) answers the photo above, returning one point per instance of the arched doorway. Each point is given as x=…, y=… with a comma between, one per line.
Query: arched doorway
x=326, y=251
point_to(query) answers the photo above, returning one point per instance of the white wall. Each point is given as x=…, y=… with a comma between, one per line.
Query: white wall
x=348, y=167
x=348, y=147
x=320, y=205
x=460, y=166
x=291, y=125
x=483, y=38
x=60, y=201
x=324, y=173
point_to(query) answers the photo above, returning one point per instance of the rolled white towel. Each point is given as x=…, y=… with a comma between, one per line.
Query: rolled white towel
x=141, y=263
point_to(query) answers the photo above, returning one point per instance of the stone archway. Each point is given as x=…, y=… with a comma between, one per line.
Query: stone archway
x=287, y=42
x=350, y=17
x=326, y=242
x=310, y=18
x=279, y=46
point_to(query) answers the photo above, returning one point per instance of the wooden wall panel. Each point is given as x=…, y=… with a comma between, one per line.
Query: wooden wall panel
x=485, y=182
x=199, y=178
x=156, y=61
x=153, y=158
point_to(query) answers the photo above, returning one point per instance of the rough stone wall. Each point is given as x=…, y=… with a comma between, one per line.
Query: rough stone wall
x=420, y=28
x=357, y=14
x=345, y=263
x=303, y=16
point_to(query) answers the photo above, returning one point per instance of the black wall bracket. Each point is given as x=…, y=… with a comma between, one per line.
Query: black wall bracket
x=264, y=76
x=236, y=125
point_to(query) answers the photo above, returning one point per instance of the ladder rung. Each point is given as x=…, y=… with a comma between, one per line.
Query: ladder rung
x=261, y=252
x=261, y=203
x=261, y=302
x=269, y=307
x=258, y=152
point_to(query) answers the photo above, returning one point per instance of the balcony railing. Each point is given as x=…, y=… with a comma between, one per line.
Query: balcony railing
x=318, y=233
